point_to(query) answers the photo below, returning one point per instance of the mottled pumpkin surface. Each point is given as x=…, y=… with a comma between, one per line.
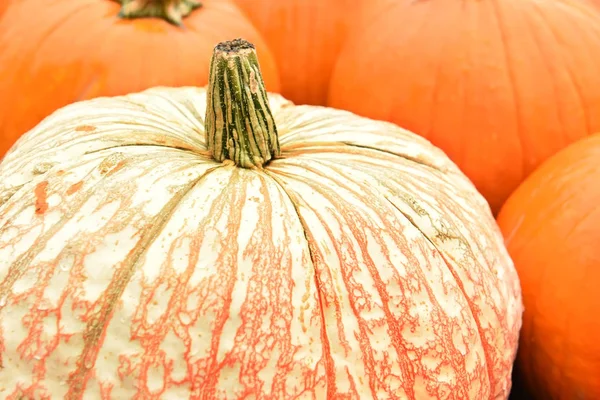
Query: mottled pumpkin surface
x=360, y=264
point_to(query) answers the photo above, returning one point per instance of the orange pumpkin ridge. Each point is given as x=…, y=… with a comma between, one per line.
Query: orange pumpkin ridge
x=41, y=198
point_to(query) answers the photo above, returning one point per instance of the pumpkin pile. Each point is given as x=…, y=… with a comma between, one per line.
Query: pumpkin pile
x=363, y=200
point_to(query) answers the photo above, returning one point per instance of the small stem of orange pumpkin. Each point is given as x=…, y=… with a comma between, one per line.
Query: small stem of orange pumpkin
x=173, y=11
x=239, y=123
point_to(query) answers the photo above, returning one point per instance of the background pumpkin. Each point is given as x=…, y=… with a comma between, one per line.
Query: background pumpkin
x=358, y=263
x=53, y=53
x=305, y=37
x=498, y=85
x=3, y=6
x=552, y=228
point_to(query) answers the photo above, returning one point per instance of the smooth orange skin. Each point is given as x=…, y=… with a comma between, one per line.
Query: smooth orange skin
x=551, y=225
x=305, y=37
x=53, y=53
x=499, y=85
x=3, y=6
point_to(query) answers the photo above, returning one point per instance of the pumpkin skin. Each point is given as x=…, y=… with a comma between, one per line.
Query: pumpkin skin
x=360, y=263
x=305, y=37
x=3, y=6
x=551, y=228
x=55, y=53
x=498, y=85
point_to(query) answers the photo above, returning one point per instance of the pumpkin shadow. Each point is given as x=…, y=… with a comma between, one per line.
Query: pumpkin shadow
x=519, y=390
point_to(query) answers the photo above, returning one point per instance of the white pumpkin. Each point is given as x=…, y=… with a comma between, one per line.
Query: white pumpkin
x=358, y=263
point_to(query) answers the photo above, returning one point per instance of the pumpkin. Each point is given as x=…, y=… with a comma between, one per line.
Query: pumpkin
x=224, y=243
x=3, y=6
x=498, y=85
x=56, y=52
x=305, y=37
x=552, y=230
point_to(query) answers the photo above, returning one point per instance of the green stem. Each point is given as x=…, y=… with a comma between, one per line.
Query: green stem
x=172, y=11
x=239, y=123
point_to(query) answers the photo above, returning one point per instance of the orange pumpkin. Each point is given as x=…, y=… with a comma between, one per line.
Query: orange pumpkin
x=499, y=85
x=53, y=53
x=223, y=243
x=3, y=6
x=551, y=225
x=305, y=37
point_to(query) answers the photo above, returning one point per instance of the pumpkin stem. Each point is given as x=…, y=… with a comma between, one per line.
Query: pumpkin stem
x=172, y=11
x=239, y=123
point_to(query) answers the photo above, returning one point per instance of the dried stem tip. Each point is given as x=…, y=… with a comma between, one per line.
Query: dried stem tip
x=239, y=123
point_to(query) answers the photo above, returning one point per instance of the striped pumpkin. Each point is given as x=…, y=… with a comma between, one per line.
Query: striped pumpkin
x=270, y=251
